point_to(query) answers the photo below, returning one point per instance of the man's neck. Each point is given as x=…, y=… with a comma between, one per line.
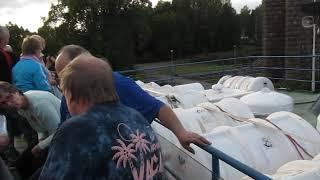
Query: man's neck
x=83, y=107
x=25, y=102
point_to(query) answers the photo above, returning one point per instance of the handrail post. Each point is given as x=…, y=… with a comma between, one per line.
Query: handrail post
x=172, y=68
x=234, y=163
x=223, y=68
x=313, y=74
x=215, y=168
x=251, y=60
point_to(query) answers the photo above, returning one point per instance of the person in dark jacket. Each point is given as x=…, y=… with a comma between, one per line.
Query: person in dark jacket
x=7, y=59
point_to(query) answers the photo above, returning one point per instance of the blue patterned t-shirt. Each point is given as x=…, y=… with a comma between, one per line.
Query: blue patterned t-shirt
x=110, y=141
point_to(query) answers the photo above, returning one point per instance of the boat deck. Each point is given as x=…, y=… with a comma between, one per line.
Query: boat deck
x=303, y=103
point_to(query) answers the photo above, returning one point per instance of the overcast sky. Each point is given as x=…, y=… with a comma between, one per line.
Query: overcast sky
x=28, y=13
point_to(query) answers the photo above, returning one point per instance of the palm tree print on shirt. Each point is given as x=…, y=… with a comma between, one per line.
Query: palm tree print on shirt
x=124, y=154
x=139, y=152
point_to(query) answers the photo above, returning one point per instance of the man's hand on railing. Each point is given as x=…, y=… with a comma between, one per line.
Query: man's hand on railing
x=186, y=138
x=169, y=119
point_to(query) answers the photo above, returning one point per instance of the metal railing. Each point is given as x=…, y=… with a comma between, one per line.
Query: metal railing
x=282, y=69
x=219, y=155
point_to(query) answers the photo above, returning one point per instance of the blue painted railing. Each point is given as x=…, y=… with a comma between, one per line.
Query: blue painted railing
x=219, y=155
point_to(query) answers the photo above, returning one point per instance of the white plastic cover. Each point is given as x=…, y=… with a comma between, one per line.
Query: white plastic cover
x=206, y=119
x=140, y=83
x=239, y=83
x=223, y=79
x=255, y=146
x=302, y=131
x=245, y=83
x=263, y=148
x=266, y=102
x=151, y=85
x=180, y=89
x=235, y=107
x=217, y=88
x=235, y=81
x=259, y=83
x=259, y=146
x=299, y=170
x=227, y=83
x=214, y=95
x=188, y=99
x=164, y=90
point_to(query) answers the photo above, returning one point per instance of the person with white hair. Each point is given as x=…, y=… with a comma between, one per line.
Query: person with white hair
x=8, y=48
x=7, y=59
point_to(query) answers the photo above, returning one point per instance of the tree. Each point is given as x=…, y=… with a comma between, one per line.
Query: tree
x=16, y=36
x=251, y=23
x=130, y=31
x=164, y=30
x=228, y=33
x=258, y=18
x=244, y=16
x=106, y=28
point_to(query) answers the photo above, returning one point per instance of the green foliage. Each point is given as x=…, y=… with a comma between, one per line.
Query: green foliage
x=251, y=24
x=16, y=36
x=131, y=31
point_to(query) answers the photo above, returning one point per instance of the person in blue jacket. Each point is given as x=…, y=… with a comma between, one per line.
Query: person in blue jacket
x=134, y=96
x=29, y=73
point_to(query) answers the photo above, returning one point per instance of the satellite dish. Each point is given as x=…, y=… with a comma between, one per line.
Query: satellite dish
x=307, y=21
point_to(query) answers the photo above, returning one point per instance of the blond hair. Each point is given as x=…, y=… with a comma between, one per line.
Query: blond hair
x=41, y=39
x=31, y=45
x=88, y=79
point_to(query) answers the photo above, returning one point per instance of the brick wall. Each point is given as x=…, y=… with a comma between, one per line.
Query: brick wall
x=283, y=34
x=273, y=38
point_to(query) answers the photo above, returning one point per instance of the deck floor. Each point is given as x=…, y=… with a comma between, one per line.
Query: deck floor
x=303, y=103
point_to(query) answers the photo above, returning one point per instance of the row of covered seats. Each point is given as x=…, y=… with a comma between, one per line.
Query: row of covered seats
x=258, y=93
x=231, y=126
x=244, y=85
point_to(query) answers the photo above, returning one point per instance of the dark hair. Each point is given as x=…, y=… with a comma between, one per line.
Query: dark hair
x=7, y=88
